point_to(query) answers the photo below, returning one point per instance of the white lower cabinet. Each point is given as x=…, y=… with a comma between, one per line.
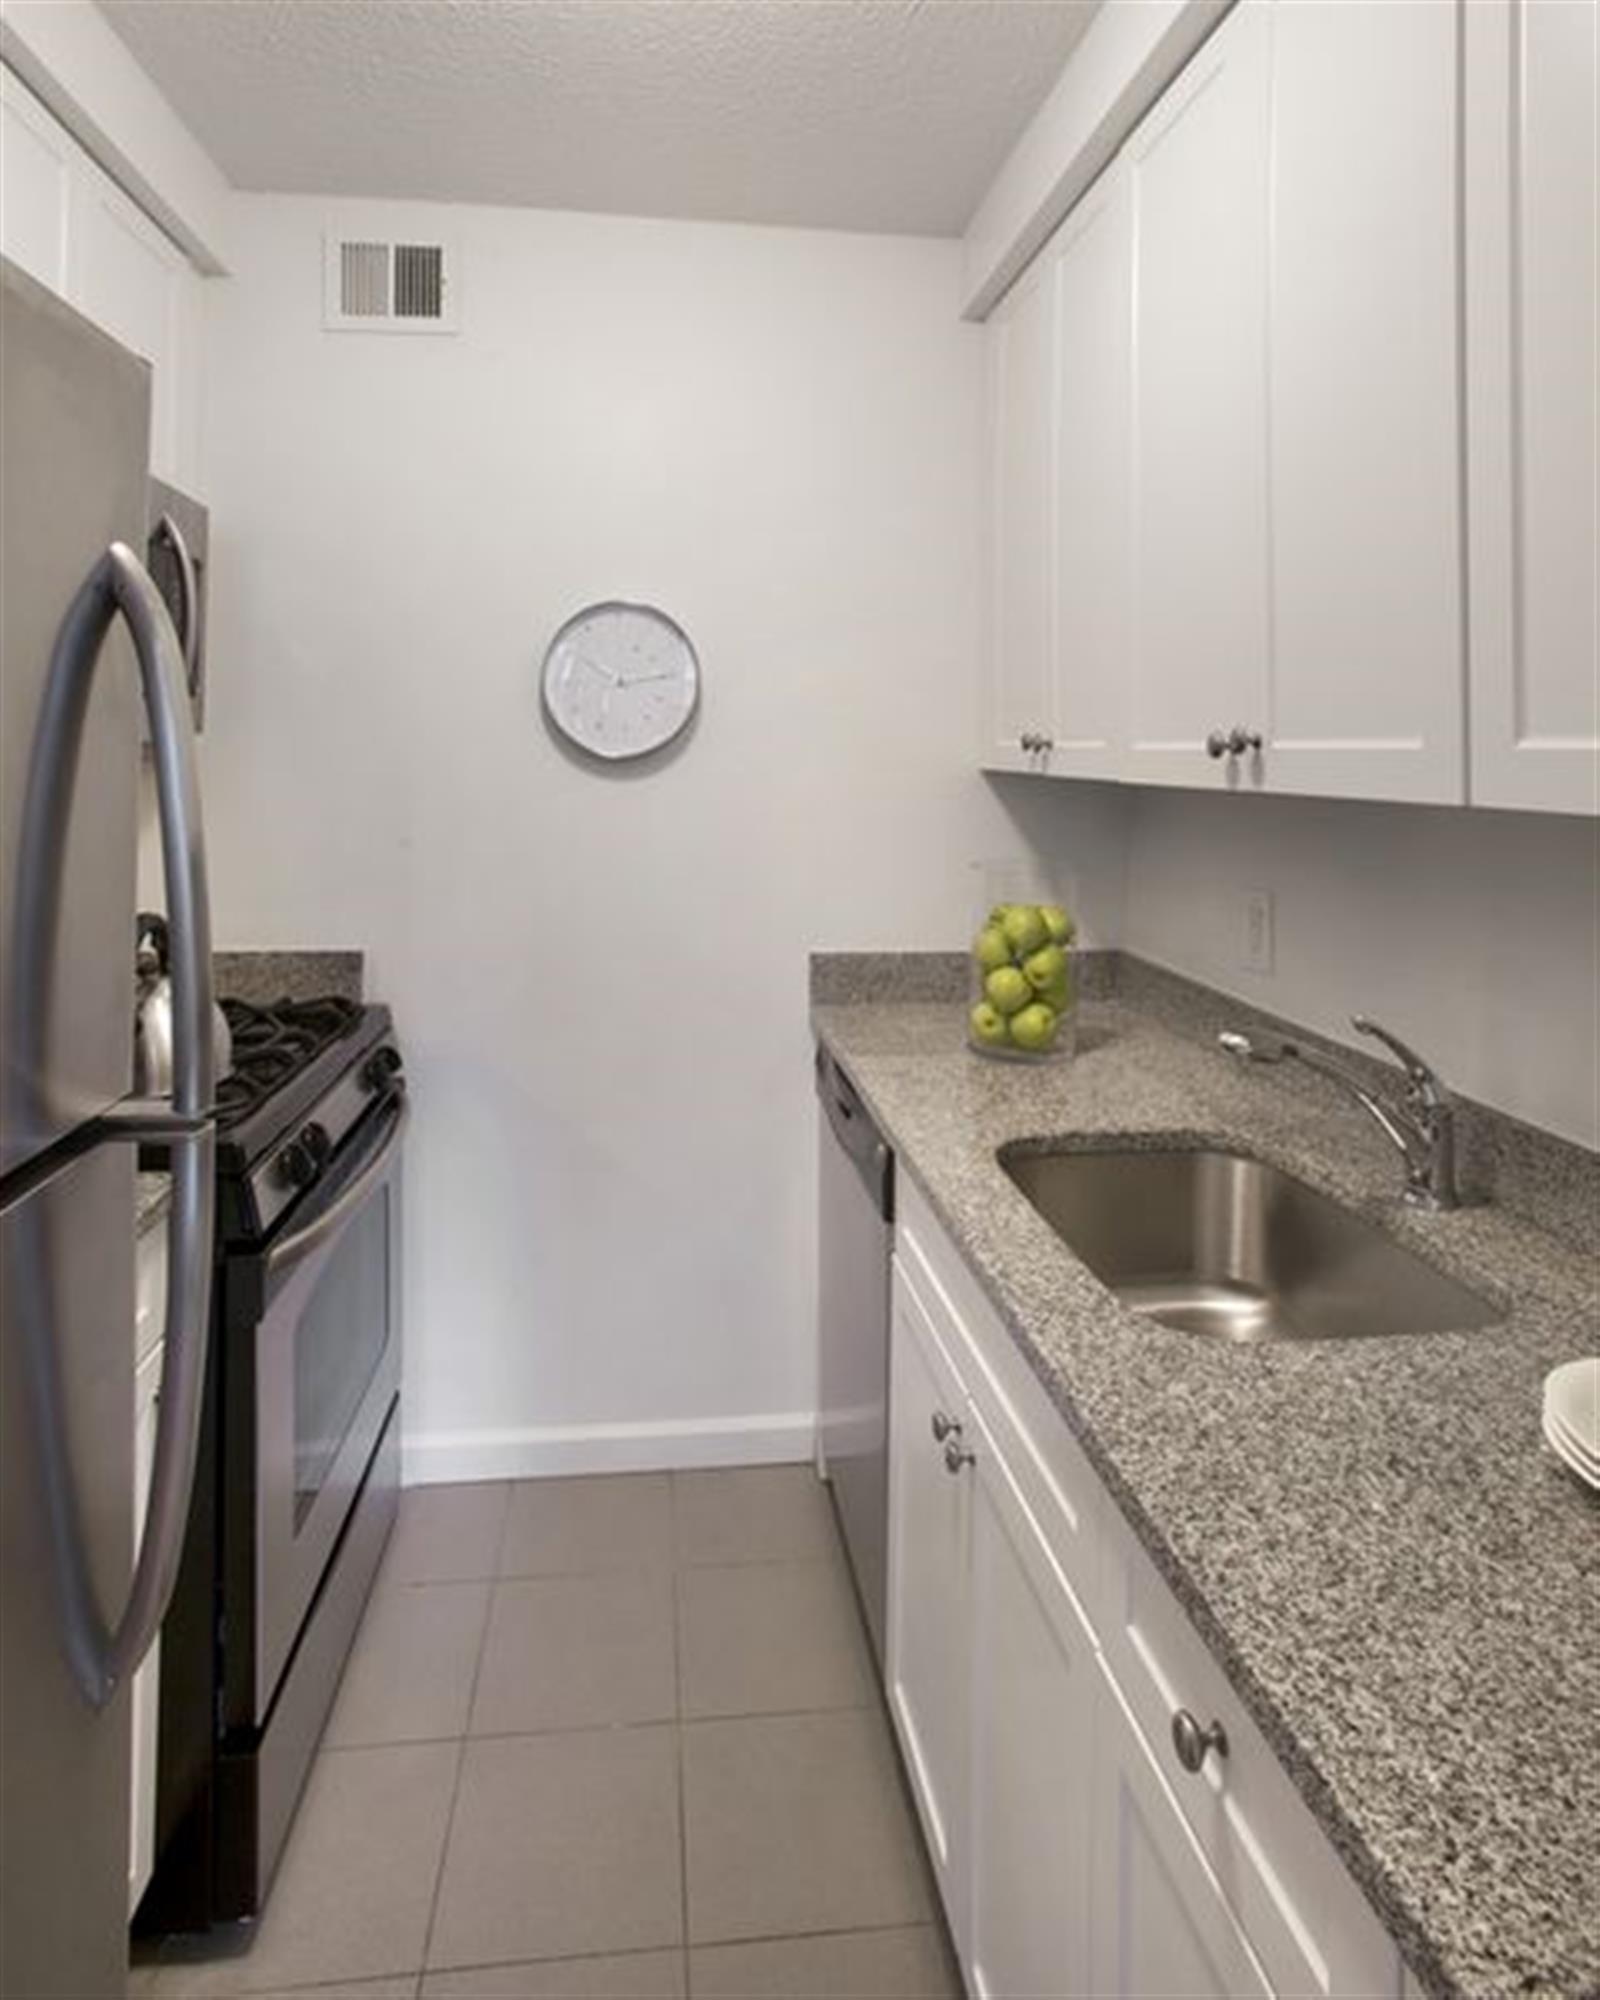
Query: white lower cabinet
x=1030, y=1810
x=1163, y=1927
x=929, y=1518
x=1036, y=1663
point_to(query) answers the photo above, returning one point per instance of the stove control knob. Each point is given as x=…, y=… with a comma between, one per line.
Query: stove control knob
x=303, y=1159
x=381, y=1068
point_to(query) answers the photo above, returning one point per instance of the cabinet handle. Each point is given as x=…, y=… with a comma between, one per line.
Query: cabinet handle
x=1232, y=742
x=945, y=1427
x=956, y=1456
x=1191, y=1741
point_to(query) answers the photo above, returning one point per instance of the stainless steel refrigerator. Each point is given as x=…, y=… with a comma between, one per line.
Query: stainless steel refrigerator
x=85, y=645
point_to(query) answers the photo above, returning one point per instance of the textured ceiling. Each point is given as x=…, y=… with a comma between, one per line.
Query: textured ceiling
x=849, y=114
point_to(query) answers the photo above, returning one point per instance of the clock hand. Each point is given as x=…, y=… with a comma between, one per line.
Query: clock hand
x=595, y=667
x=638, y=680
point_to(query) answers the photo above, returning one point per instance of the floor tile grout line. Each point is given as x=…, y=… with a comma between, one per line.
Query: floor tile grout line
x=871, y=1704
x=678, y=1748
x=462, y=1744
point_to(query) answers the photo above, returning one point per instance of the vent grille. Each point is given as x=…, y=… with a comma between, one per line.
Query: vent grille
x=364, y=280
x=383, y=287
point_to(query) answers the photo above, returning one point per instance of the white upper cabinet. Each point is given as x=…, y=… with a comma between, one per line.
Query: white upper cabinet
x=1366, y=669
x=71, y=227
x=1276, y=465
x=1199, y=168
x=1020, y=569
x=1531, y=277
x=37, y=165
x=1092, y=275
x=132, y=280
x=1058, y=549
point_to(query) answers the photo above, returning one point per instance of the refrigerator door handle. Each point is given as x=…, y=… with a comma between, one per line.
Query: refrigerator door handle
x=119, y=583
x=188, y=595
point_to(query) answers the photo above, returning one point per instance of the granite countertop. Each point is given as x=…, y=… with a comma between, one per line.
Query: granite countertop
x=1401, y=1583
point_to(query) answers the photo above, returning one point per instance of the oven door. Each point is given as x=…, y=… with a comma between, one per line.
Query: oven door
x=326, y=1370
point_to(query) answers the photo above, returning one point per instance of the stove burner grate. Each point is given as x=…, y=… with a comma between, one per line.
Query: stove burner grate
x=272, y=1044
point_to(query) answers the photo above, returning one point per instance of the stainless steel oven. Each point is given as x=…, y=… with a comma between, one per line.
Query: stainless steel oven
x=313, y=1393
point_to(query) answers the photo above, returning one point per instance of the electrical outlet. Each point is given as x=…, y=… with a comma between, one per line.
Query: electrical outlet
x=1255, y=943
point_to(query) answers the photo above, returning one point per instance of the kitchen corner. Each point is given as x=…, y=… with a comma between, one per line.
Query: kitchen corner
x=1397, y=1580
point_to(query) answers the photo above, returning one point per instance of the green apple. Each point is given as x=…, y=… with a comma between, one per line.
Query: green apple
x=1007, y=990
x=1059, y=927
x=1044, y=967
x=1024, y=929
x=1058, y=994
x=990, y=949
x=988, y=1025
x=1034, y=1027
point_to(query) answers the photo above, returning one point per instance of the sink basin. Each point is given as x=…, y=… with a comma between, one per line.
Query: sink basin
x=1215, y=1243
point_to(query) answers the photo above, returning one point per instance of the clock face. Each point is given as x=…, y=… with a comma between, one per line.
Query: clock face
x=621, y=680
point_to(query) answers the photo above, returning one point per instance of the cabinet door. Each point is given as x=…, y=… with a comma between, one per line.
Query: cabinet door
x=1198, y=166
x=146, y=1690
x=36, y=179
x=1092, y=270
x=1020, y=570
x=1162, y=1928
x=130, y=279
x=1365, y=695
x=1031, y=1793
x=929, y=1608
x=1531, y=277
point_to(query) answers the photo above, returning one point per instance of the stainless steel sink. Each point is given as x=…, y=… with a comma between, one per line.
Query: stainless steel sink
x=1215, y=1243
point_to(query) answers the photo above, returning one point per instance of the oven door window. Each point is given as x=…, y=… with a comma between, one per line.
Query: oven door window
x=339, y=1341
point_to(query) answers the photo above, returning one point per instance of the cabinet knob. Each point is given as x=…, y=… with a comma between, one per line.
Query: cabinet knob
x=1044, y=742
x=1217, y=743
x=1028, y=741
x=956, y=1456
x=945, y=1427
x=1192, y=1742
x=1232, y=742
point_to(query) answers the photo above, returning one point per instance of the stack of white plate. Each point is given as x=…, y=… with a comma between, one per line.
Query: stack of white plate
x=1572, y=1417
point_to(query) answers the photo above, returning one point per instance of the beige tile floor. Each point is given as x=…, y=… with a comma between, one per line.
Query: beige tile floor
x=601, y=1739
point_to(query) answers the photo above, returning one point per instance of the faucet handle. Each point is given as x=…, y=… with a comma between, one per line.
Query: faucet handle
x=1422, y=1079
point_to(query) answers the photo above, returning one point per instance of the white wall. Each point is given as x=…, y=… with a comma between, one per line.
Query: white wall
x=600, y=979
x=1470, y=933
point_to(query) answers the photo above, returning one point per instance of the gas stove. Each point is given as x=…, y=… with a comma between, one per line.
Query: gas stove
x=305, y=1073
x=298, y=1477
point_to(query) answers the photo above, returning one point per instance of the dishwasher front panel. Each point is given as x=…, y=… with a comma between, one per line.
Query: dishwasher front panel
x=855, y=1213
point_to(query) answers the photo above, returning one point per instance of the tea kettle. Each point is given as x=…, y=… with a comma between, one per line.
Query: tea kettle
x=152, y=1017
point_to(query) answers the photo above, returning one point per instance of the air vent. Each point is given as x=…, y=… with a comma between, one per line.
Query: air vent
x=373, y=286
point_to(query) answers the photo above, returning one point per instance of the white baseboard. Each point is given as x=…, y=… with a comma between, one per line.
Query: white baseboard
x=434, y=1458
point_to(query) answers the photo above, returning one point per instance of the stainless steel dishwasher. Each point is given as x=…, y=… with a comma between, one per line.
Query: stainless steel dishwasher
x=856, y=1237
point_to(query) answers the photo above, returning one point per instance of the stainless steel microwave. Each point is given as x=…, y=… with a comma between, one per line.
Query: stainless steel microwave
x=177, y=555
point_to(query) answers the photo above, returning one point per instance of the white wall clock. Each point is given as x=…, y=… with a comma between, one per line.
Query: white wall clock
x=621, y=680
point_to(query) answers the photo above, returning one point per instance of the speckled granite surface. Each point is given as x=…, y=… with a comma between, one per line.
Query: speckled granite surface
x=1401, y=1583
x=151, y=1194
x=264, y=976
x=845, y=978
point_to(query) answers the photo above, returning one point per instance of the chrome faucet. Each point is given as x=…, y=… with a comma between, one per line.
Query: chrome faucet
x=1421, y=1128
